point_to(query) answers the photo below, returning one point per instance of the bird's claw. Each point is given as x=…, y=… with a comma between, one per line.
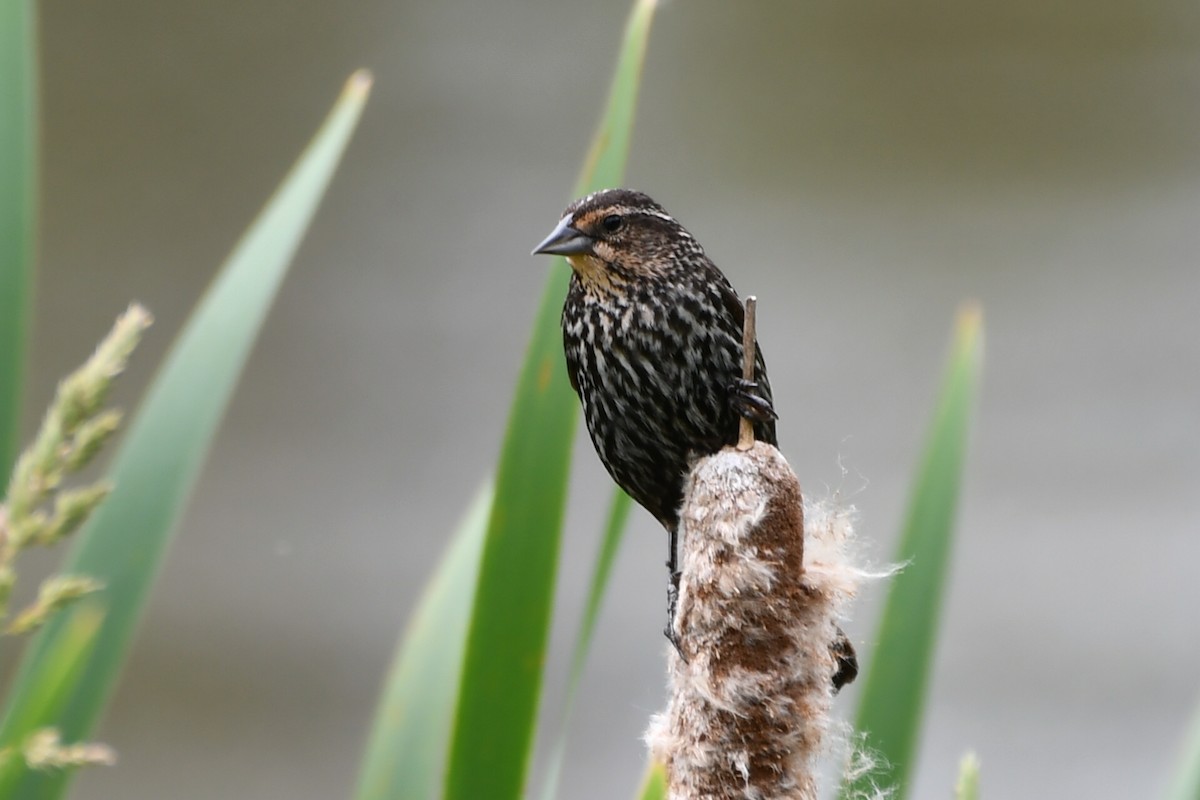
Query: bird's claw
x=748, y=403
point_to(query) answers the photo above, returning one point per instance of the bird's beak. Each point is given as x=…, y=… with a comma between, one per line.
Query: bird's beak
x=565, y=241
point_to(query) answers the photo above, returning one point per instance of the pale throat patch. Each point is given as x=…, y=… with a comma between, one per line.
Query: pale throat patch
x=594, y=273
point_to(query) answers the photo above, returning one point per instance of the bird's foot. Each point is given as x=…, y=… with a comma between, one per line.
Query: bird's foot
x=673, y=638
x=672, y=606
x=748, y=403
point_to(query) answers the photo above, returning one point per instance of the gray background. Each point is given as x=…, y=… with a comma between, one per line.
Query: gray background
x=862, y=166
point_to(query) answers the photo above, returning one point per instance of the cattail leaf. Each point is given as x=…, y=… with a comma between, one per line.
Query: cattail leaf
x=654, y=785
x=614, y=530
x=49, y=690
x=158, y=462
x=897, y=670
x=18, y=192
x=407, y=749
x=1186, y=785
x=967, y=786
x=502, y=672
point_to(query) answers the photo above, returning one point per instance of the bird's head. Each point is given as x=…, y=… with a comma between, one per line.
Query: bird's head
x=618, y=236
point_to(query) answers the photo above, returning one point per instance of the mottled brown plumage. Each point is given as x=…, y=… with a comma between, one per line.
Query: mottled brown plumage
x=652, y=332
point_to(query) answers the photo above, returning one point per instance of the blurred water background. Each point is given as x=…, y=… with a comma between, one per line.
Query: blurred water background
x=861, y=166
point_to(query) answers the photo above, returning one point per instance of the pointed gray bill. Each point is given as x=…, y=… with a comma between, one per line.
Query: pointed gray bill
x=565, y=241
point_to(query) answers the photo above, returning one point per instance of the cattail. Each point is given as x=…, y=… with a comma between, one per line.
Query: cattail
x=757, y=621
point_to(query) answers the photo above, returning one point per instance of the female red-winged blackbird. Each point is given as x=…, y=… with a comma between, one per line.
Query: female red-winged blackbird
x=653, y=337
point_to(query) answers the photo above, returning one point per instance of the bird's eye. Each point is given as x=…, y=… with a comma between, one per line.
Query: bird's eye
x=612, y=223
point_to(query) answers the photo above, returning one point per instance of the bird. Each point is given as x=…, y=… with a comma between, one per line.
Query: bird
x=652, y=334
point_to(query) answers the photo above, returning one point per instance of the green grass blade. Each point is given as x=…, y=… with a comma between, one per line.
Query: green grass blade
x=502, y=672
x=161, y=456
x=654, y=785
x=1186, y=785
x=407, y=748
x=967, y=787
x=897, y=672
x=18, y=190
x=51, y=688
x=614, y=529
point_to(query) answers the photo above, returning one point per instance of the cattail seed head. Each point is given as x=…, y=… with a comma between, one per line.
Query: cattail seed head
x=760, y=598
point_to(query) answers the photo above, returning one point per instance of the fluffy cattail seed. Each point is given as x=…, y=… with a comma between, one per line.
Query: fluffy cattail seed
x=760, y=597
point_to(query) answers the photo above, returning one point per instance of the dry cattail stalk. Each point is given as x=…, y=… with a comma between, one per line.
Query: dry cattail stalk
x=758, y=610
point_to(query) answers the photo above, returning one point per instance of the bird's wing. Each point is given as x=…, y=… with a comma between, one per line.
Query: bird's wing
x=737, y=312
